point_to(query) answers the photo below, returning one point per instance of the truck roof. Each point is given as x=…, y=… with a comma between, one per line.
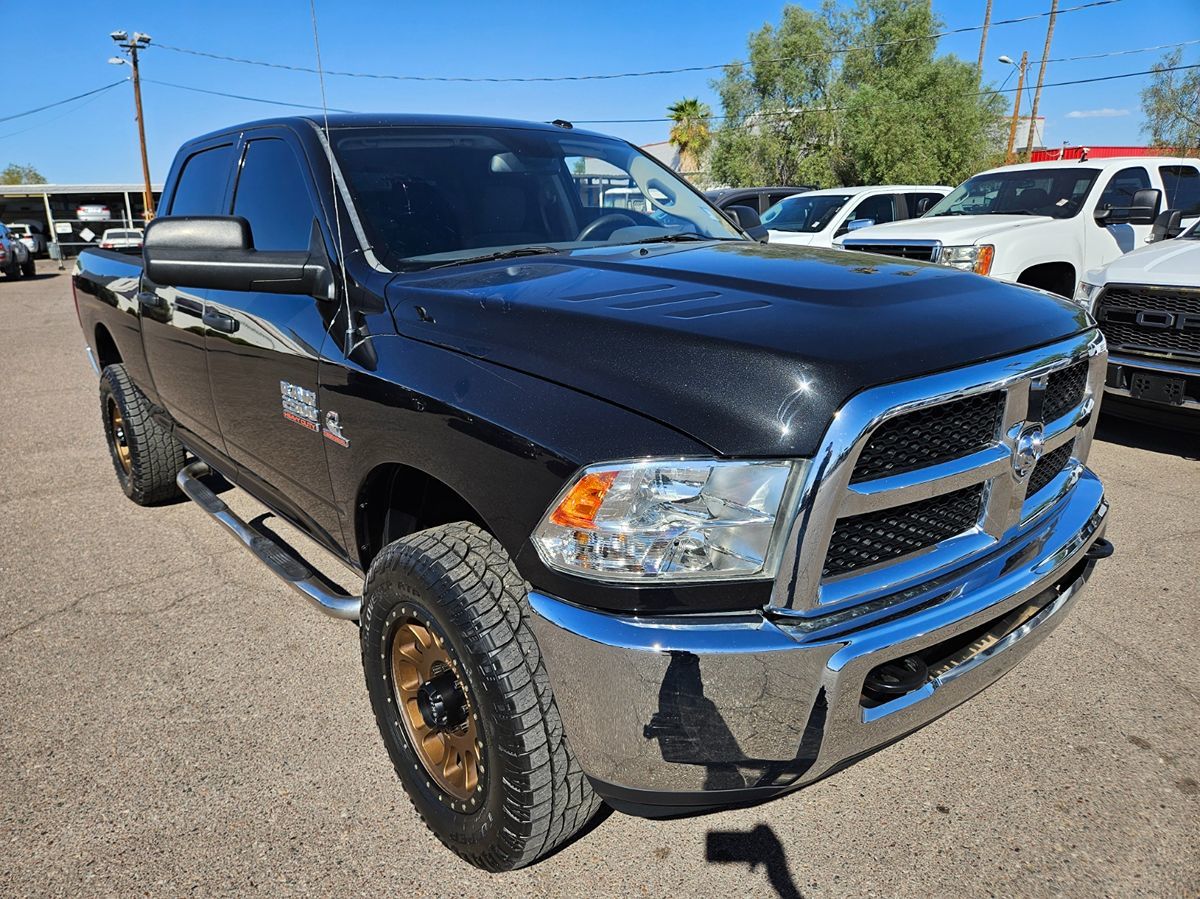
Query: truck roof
x=392, y=119
x=1108, y=162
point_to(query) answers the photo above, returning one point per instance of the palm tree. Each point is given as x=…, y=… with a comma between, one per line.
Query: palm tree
x=690, y=131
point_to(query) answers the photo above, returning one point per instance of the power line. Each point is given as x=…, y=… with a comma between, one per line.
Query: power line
x=42, y=124
x=609, y=76
x=1117, y=52
x=788, y=112
x=202, y=90
x=9, y=118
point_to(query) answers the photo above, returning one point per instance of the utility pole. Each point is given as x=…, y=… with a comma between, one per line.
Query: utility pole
x=131, y=46
x=1037, y=94
x=1012, y=128
x=987, y=20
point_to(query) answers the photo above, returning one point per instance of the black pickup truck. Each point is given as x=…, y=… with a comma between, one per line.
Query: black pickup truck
x=646, y=511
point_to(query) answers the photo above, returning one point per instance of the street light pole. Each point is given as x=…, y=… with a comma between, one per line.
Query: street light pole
x=131, y=46
x=1012, y=128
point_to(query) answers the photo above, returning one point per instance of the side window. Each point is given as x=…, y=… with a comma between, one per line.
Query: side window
x=201, y=186
x=1182, y=183
x=1123, y=185
x=879, y=208
x=772, y=199
x=920, y=203
x=272, y=195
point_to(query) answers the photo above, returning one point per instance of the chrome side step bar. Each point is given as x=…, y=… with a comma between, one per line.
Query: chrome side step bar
x=293, y=571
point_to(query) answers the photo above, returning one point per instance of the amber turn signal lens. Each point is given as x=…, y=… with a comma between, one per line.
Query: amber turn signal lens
x=579, y=507
x=983, y=261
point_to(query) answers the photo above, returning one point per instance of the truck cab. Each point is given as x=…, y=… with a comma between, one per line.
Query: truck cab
x=1043, y=224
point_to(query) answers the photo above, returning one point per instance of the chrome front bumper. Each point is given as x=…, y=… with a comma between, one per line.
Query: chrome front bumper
x=667, y=714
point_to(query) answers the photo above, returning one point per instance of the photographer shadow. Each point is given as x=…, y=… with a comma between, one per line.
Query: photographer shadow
x=758, y=846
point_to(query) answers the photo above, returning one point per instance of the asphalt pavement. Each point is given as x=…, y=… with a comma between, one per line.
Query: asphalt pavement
x=173, y=721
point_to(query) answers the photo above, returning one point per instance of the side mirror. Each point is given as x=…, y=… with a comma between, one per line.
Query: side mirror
x=1141, y=211
x=218, y=252
x=1168, y=224
x=922, y=205
x=747, y=219
x=859, y=224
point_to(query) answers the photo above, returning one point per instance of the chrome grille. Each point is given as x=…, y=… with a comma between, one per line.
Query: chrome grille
x=865, y=532
x=864, y=540
x=1048, y=468
x=916, y=252
x=929, y=436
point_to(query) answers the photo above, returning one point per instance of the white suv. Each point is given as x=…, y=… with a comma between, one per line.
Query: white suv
x=1044, y=223
x=816, y=217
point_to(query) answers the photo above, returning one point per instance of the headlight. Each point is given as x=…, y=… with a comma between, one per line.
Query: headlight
x=1085, y=293
x=977, y=259
x=668, y=520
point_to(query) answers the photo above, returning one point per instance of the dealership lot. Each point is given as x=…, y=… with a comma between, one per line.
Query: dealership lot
x=176, y=721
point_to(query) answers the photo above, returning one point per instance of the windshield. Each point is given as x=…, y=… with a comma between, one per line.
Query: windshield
x=122, y=233
x=806, y=213
x=1057, y=193
x=1192, y=233
x=441, y=195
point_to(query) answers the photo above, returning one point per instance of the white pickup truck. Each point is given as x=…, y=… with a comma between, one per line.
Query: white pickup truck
x=1044, y=223
x=1148, y=306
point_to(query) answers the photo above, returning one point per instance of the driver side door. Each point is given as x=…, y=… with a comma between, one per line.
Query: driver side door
x=1106, y=242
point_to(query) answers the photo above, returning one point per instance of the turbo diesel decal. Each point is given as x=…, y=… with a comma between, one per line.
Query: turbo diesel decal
x=333, y=429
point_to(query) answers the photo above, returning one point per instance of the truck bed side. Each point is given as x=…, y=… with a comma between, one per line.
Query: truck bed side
x=106, y=285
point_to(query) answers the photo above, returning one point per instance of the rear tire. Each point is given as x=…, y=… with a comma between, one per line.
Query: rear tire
x=454, y=590
x=29, y=269
x=145, y=455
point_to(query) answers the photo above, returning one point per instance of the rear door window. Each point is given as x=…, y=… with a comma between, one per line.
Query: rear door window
x=1182, y=184
x=879, y=209
x=200, y=189
x=915, y=200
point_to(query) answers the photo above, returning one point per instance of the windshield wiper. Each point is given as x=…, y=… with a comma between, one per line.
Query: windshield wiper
x=678, y=238
x=514, y=253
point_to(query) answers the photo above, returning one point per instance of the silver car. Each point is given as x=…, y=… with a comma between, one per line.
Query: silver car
x=16, y=260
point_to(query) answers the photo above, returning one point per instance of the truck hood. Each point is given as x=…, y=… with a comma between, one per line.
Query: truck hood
x=951, y=230
x=747, y=348
x=1171, y=263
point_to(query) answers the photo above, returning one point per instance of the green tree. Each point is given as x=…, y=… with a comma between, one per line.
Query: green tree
x=1171, y=105
x=14, y=173
x=805, y=109
x=691, y=132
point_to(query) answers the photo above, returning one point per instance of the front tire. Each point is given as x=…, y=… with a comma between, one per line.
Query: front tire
x=463, y=701
x=145, y=455
x=29, y=269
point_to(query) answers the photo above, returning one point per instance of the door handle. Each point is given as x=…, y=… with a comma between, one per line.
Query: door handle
x=219, y=321
x=183, y=304
x=149, y=298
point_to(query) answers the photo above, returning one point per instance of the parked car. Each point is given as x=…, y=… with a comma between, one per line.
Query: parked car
x=32, y=236
x=93, y=212
x=760, y=199
x=1043, y=224
x=121, y=239
x=16, y=260
x=641, y=515
x=1148, y=305
x=815, y=218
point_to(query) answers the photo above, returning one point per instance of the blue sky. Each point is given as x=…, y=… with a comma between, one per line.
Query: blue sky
x=93, y=139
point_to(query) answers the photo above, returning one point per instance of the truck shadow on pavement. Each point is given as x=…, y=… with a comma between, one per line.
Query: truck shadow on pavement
x=1151, y=437
x=758, y=846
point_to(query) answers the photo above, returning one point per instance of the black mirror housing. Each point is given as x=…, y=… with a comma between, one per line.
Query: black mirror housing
x=747, y=219
x=1168, y=224
x=1142, y=211
x=217, y=252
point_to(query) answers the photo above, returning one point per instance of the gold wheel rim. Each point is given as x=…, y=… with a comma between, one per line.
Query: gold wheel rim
x=451, y=755
x=120, y=440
